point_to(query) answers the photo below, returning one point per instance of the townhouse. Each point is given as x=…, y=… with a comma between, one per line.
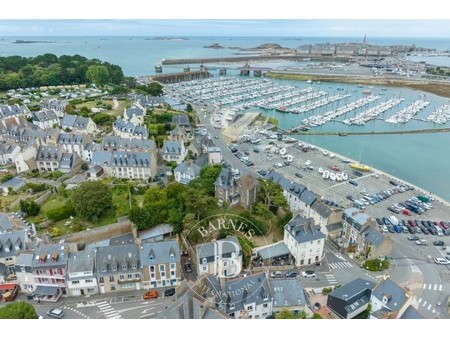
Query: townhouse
x=174, y=151
x=128, y=129
x=234, y=190
x=78, y=124
x=45, y=119
x=16, y=110
x=134, y=115
x=186, y=172
x=81, y=279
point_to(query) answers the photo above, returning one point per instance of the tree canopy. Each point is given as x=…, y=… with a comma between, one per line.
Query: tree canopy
x=153, y=89
x=272, y=194
x=18, y=310
x=50, y=70
x=91, y=200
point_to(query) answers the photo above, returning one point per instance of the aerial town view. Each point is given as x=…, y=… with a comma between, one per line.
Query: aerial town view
x=189, y=174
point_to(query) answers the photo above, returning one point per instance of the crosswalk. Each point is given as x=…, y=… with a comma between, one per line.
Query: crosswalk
x=433, y=287
x=426, y=305
x=108, y=311
x=331, y=279
x=77, y=312
x=340, y=265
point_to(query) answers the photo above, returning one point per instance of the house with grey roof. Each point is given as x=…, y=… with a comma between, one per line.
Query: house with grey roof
x=78, y=124
x=222, y=257
x=180, y=134
x=118, y=268
x=147, y=101
x=8, y=153
x=81, y=279
x=73, y=143
x=267, y=254
x=16, y=110
x=298, y=197
x=186, y=172
x=389, y=300
x=125, y=164
x=56, y=105
x=288, y=294
x=49, y=268
x=181, y=120
x=161, y=264
x=359, y=231
x=14, y=184
x=241, y=298
x=157, y=233
x=242, y=190
x=174, y=151
x=24, y=271
x=127, y=129
x=214, y=155
x=304, y=240
x=134, y=115
x=349, y=300
x=115, y=143
x=45, y=119
x=52, y=158
x=325, y=215
x=12, y=243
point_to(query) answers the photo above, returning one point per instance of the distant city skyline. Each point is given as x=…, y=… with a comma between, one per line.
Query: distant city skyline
x=201, y=27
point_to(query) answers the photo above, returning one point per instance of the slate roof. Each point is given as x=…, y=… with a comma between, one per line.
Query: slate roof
x=12, y=240
x=303, y=229
x=130, y=128
x=291, y=187
x=44, y=253
x=225, y=179
x=81, y=261
x=411, y=313
x=44, y=116
x=159, y=230
x=240, y=292
x=172, y=147
x=74, y=121
x=5, y=223
x=352, y=288
x=120, y=143
x=54, y=104
x=69, y=138
x=396, y=294
x=136, y=159
x=373, y=236
x=159, y=253
x=116, y=257
x=322, y=209
x=287, y=292
x=190, y=169
x=13, y=110
x=276, y=250
x=207, y=250
x=355, y=218
x=308, y=197
x=136, y=111
x=15, y=183
x=181, y=120
x=48, y=153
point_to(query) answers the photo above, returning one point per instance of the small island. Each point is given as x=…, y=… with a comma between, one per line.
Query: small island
x=30, y=41
x=214, y=46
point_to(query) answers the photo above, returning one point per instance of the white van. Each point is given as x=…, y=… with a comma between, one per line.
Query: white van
x=393, y=220
x=276, y=274
x=439, y=231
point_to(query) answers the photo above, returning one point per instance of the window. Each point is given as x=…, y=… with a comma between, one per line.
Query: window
x=111, y=278
x=162, y=267
x=204, y=268
x=137, y=276
x=265, y=304
x=88, y=281
x=152, y=268
x=101, y=280
x=172, y=266
x=113, y=287
x=130, y=276
x=75, y=282
x=172, y=273
x=204, y=261
x=134, y=267
x=121, y=277
x=249, y=308
x=152, y=275
x=163, y=274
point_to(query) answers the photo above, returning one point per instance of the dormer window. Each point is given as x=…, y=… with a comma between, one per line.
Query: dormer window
x=114, y=268
x=124, y=267
x=134, y=266
x=204, y=261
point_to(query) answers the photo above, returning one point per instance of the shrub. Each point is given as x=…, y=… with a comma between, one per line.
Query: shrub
x=376, y=264
x=30, y=207
x=61, y=213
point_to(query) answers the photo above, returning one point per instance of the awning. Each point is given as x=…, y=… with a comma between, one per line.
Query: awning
x=10, y=286
x=46, y=291
x=276, y=250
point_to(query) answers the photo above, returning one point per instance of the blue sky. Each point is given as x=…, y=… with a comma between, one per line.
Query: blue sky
x=302, y=28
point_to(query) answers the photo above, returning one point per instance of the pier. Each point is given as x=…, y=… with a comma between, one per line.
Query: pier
x=178, y=77
x=362, y=133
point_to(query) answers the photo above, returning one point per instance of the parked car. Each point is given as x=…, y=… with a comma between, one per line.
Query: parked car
x=421, y=242
x=413, y=238
x=379, y=221
x=298, y=175
x=291, y=274
x=55, y=313
x=169, y=292
x=442, y=261
x=439, y=243
x=151, y=295
x=308, y=274
x=276, y=274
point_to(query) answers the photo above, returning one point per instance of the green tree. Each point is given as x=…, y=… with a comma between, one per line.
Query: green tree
x=91, y=200
x=207, y=178
x=271, y=194
x=287, y=314
x=189, y=108
x=18, y=310
x=30, y=207
x=97, y=74
x=85, y=166
x=316, y=316
x=198, y=202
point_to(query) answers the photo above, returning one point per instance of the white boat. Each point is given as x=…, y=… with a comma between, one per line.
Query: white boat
x=283, y=151
x=344, y=176
x=332, y=176
x=325, y=174
x=308, y=162
x=255, y=141
x=309, y=81
x=325, y=153
x=339, y=177
x=332, y=155
x=320, y=170
x=289, y=158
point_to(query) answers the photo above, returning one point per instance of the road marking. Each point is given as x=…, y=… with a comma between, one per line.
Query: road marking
x=435, y=287
x=424, y=303
x=424, y=286
x=434, y=310
x=429, y=287
x=420, y=300
x=329, y=276
x=429, y=307
x=333, y=282
x=440, y=287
